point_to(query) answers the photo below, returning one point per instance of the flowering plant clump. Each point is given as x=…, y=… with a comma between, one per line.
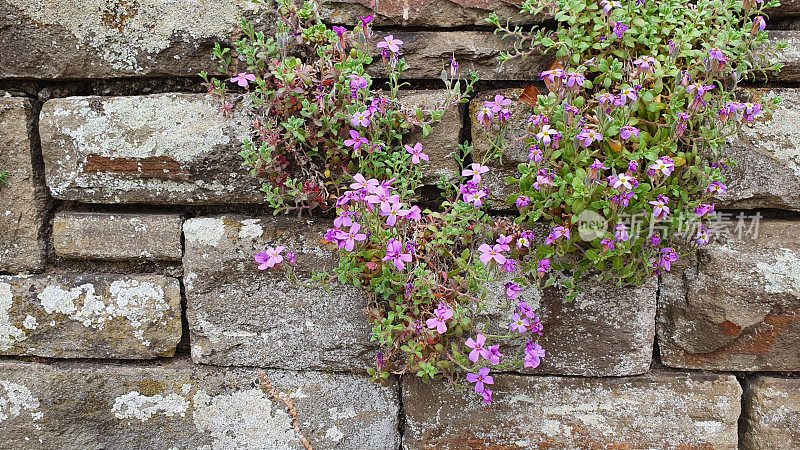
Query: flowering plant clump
x=640, y=97
x=328, y=142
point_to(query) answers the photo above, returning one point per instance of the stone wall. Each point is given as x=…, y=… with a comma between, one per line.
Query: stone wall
x=132, y=316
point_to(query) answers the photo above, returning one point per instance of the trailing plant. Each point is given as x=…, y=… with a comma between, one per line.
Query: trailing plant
x=639, y=99
x=326, y=138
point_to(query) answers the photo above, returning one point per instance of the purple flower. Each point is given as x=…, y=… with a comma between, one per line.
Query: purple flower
x=533, y=354
x=575, y=80
x=633, y=165
x=621, y=233
x=495, y=355
x=356, y=140
x=414, y=213
x=655, y=239
x=716, y=188
x=606, y=97
x=243, y=78
x=544, y=267
x=347, y=239
x=503, y=242
x=645, y=64
x=622, y=181
x=362, y=183
x=663, y=165
x=391, y=44
x=475, y=170
x=620, y=29
x=292, y=258
x=525, y=238
x=394, y=252
x=609, y=5
x=360, y=118
x=668, y=256
x=512, y=290
x=481, y=379
x=510, y=265
x=716, y=54
x=557, y=233
x=535, y=153
x=382, y=195
x=489, y=253
x=416, y=153
x=519, y=324
x=660, y=208
x=442, y=314
x=547, y=135
x=608, y=244
x=627, y=131
x=536, y=326
x=340, y=31
x=586, y=137
x=269, y=258
x=486, y=114
x=523, y=201
x=478, y=349
x=392, y=211
x=703, y=237
x=704, y=209
x=344, y=219
x=751, y=110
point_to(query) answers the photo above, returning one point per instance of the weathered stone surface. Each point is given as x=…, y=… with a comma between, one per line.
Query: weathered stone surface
x=241, y=316
x=22, y=200
x=117, y=236
x=737, y=307
x=165, y=148
x=428, y=52
x=771, y=413
x=790, y=56
x=90, y=316
x=768, y=152
x=103, y=39
x=430, y=13
x=441, y=145
x=607, y=331
x=656, y=410
x=180, y=406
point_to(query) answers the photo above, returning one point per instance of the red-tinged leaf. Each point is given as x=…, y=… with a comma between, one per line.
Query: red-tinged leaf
x=530, y=95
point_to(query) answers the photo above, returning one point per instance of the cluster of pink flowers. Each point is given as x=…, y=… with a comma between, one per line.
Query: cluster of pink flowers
x=497, y=109
x=472, y=192
x=372, y=195
x=272, y=257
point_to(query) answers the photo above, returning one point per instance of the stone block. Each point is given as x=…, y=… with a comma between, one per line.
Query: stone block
x=117, y=236
x=771, y=413
x=177, y=405
x=23, y=200
x=90, y=316
x=737, y=306
x=241, y=316
x=156, y=149
x=652, y=411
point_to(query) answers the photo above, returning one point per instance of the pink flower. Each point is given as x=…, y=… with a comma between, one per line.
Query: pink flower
x=624, y=181
x=512, y=289
x=414, y=213
x=475, y=170
x=362, y=183
x=390, y=43
x=394, y=252
x=495, y=355
x=586, y=137
x=442, y=314
x=357, y=140
x=503, y=242
x=704, y=210
x=533, y=354
x=523, y=201
x=480, y=380
x=243, y=78
x=544, y=267
x=660, y=208
x=416, y=153
x=478, y=349
x=269, y=258
x=489, y=253
x=347, y=239
x=621, y=233
x=663, y=165
x=557, y=233
x=360, y=118
x=627, y=131
x=519, y=324
x=391, y=212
